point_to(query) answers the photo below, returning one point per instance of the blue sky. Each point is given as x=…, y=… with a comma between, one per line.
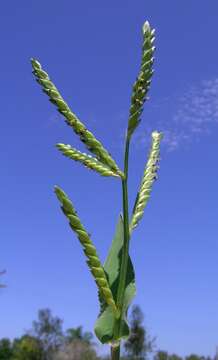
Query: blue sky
x=92, y=52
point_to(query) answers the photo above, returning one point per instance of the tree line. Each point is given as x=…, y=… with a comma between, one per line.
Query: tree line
x=47, y=340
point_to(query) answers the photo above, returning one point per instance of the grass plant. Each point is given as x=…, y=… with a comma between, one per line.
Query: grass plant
x=115, y=279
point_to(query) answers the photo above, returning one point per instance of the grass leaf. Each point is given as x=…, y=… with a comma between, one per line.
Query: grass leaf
x=106, y=322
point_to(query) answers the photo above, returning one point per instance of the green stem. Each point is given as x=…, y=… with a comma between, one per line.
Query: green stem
x=125, y=251
x=115, y=353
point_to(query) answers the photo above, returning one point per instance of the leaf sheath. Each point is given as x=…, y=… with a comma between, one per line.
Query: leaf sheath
x=106, y=325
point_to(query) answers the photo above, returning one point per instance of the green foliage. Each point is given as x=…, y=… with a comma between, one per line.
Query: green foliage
x=27, y=348
x=49, y=342
x=48, y=330
x=175, y=357
x=76, y=350
x=164, y=355
x=194, y=357
x=161, y=355
x=105, y=327
x=139, y=345
x=73, y=334
x=6, y=349
x=109, y=358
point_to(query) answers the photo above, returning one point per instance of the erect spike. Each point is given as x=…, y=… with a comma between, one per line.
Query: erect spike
x=149, y=176
x=143, y=79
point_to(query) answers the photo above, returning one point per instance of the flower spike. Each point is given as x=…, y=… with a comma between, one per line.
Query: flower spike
x=150, y=174
x=87, y=160
x=142, y=83
x=89, y=249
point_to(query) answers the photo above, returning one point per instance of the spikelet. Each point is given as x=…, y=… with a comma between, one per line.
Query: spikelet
x=88, y=248
x=142, y=83
x=88, y=160
x=150, y=174
x=79, y=128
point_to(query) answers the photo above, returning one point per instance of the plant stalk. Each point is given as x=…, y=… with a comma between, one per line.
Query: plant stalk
x=125, y=253
x=115, y=352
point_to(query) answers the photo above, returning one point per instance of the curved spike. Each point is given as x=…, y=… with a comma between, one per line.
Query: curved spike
x=88, y=248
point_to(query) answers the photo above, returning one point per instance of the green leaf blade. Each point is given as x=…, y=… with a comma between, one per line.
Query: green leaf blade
x=106, y=322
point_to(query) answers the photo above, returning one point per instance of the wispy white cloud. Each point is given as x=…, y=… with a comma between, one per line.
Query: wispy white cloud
x=199, y=107
x=185, y=118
